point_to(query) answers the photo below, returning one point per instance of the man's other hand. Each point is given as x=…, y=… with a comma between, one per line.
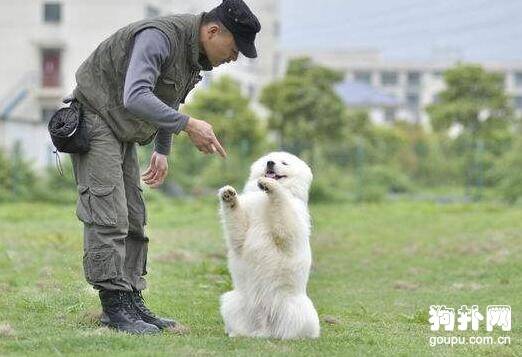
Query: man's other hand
x=157, y=170
x=201, y=134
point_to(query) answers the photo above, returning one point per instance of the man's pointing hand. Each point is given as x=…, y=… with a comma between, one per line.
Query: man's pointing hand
x=201, y=134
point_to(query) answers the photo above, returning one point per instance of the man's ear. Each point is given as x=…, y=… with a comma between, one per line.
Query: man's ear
x=212, y=30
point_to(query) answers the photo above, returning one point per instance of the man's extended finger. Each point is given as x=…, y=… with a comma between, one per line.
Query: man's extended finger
x=157, y=180
x=149, y=176
x=219, y=148
x=151, y=183
x=158, y=176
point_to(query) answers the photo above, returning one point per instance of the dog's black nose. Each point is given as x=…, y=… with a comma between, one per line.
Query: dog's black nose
x=270, y=164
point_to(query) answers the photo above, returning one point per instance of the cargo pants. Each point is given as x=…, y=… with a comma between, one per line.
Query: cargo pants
x=110, y=204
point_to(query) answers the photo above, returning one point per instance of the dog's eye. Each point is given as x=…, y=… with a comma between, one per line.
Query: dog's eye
x=284, y=163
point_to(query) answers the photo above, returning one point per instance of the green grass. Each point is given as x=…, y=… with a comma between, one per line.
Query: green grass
x=376, y=270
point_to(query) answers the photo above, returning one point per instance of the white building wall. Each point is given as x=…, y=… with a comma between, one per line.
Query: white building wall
x=23, y=33
x=83, y=25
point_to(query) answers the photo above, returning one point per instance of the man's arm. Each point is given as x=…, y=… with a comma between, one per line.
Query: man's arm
x=150, y=51
x=163, y=142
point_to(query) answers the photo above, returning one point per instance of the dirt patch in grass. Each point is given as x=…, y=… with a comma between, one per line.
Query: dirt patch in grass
x=7, y=330
x=331, y=320
x=178, y=256
x=90, y=317
x=405, y=285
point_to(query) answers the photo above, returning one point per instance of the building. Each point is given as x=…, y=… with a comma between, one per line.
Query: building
x=44, y=42
x=414, y=84
x=361, y=95
x=252, y=74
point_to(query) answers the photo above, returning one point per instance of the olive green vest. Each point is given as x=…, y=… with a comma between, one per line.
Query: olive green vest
x=100, y=79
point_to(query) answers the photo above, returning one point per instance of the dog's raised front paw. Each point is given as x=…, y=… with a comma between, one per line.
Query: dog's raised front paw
x=266, y=184
x=228, y=194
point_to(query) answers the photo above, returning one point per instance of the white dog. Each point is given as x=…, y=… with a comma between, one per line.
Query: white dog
x=267, y=230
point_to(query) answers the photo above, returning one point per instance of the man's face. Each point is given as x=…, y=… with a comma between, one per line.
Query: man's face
x=219, y=45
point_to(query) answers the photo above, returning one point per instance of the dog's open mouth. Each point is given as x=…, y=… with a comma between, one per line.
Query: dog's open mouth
x=271, y=174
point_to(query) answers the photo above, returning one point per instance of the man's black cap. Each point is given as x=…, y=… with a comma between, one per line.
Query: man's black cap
x=242, y=23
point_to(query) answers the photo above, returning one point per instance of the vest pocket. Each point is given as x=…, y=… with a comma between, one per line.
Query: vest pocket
x=168, y=90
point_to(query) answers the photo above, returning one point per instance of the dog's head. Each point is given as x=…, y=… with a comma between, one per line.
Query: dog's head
x=290, y=171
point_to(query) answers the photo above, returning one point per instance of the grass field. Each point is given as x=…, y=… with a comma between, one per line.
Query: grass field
x=377, y=268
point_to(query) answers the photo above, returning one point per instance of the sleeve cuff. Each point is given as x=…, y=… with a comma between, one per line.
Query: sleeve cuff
x=183, y=120
x=161, y=150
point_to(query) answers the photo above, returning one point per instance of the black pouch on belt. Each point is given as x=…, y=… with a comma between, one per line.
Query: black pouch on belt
x=68, y=131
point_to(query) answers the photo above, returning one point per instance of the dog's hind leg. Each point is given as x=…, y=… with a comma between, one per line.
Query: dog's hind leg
x=234, y=219
x=232, y=310
x=295, y=318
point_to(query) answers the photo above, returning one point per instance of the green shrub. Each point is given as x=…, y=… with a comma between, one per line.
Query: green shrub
x=389, y=178
x=17, y=178
x=370, y=193
x=508, y=173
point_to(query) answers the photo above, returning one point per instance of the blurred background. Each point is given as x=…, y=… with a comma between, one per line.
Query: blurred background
x=384, y=99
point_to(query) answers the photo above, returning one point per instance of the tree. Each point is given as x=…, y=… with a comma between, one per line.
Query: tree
x=228, y=111
x=237, y=127
x=474, y=100
x=304, y=107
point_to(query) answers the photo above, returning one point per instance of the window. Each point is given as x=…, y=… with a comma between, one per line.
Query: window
x=412, y=100
x=51, y=67
x=389, y=78
x=363, y=77
x=414, y=79
x=518, y=79
x=151, y=11
x=52, y=12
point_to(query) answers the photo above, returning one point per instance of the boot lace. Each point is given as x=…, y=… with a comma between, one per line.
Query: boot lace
x=139, y=301
x=128, y=308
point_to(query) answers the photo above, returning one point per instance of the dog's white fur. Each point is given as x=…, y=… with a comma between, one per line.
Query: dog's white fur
x=267, y=229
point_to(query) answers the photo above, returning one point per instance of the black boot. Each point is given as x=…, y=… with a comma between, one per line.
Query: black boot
x=120, y=314
x=147, y=315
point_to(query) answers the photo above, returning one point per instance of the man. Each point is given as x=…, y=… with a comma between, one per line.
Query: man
x=130, y=88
